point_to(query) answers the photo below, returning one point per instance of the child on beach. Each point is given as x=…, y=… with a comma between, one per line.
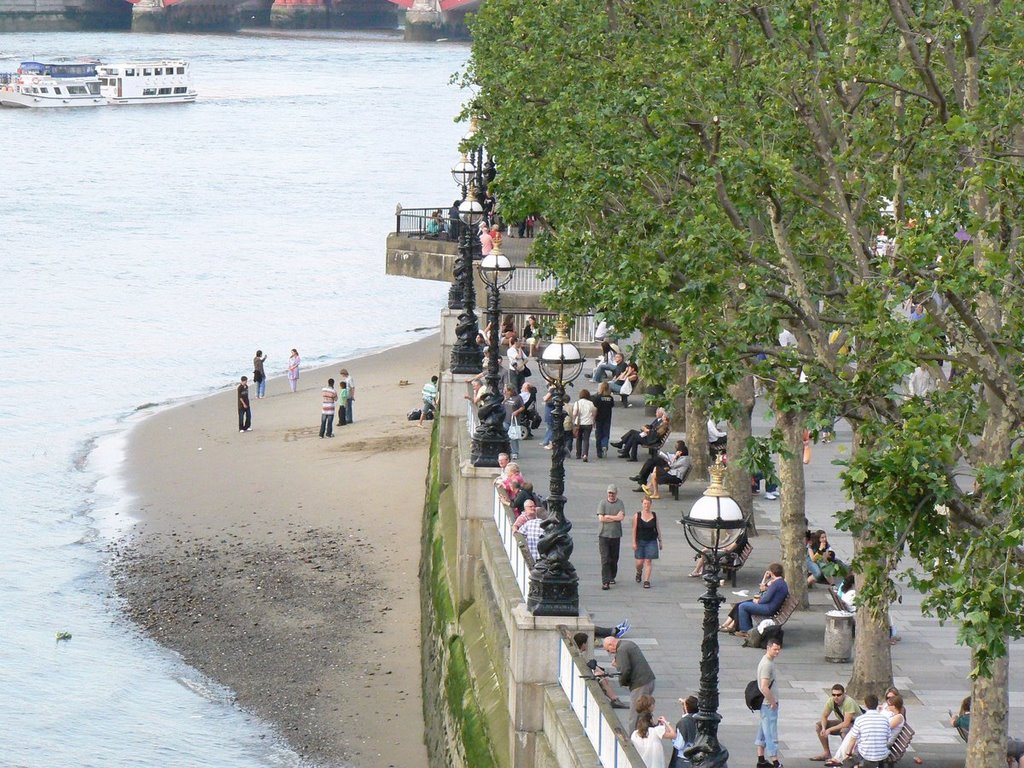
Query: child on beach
x=342, y=403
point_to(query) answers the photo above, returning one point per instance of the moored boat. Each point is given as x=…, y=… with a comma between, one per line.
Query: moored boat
x=39, y=85
x=147, y=82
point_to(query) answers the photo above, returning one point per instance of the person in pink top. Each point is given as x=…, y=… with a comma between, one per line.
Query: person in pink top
x=486, y=241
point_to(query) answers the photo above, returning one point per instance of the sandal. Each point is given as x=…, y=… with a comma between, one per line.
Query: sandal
x=647, y=585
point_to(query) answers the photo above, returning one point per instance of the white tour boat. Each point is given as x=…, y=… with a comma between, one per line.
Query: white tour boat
x=147, y=82
x=39, y=85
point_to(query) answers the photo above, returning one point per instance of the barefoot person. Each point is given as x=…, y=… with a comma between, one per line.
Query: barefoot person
x=329, y=399
x=294, y=361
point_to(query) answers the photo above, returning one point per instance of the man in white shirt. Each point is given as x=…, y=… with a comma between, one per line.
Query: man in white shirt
x=870, y=733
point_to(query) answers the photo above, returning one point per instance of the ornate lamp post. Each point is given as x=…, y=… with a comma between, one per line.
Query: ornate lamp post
x=463, y=172
x=554, y=586
x=467, y=356
x=490, y=438
x=713, y=523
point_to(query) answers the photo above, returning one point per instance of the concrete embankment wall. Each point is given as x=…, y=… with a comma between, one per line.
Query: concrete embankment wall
x=491, y=696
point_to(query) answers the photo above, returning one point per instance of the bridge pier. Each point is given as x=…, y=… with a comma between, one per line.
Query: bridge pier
x=155, y=16
x=425, y=21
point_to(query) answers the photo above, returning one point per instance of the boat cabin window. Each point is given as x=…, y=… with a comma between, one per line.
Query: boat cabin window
x=159, y=71
x=130, y=72
x=149, y=91
x=94, y=88
x=44, y=90
x=165, y=91
x=181, y=89
x=147, y=72
x=56, y=90
x=79, y=89
x=181, y=70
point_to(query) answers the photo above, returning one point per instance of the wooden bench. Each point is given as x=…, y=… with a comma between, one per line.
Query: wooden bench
x=673, y=488
x=896, y=750
x=780, y=617
x=730, y=569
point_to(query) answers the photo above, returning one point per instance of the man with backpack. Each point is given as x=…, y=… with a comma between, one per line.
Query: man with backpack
x=767, y=741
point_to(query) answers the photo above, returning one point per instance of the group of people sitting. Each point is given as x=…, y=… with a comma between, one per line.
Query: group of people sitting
x=622, y=377
x=773, y=591
x=867, y=732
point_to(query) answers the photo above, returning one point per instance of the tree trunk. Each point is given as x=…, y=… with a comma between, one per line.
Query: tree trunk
x=737, y=479
x=872, y=660
x=986, y=742
x=678, y=413
x=792, y=510
x=697, y=437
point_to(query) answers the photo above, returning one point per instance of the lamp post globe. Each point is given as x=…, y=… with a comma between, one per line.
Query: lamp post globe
x=554, y=585
x=463, y=172
x=490, y=438
x=713, y=523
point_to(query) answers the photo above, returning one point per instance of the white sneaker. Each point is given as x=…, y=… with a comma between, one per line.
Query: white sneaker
x=771, y=496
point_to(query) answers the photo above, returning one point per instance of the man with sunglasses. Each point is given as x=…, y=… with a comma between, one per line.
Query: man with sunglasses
x=836, y=719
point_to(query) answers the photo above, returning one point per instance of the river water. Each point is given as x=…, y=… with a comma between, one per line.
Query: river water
x=146, y=252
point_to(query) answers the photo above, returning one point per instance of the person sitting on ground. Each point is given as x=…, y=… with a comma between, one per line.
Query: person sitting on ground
x=652, y=434
x=823, y=565
x=775, y=590
x=436, y=225
x=671, y=472
x=611, y=368
x=686, y=733
x=629, y=376
x=836, y=719
x=581, y=639
x=647, y=738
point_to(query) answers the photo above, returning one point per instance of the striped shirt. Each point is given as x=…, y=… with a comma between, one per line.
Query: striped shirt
x=872, y=732
x=330, y=398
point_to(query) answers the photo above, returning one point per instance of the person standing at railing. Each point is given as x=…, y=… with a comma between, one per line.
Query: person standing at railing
x=453, y=221
x=634, y=673
x=486, y=241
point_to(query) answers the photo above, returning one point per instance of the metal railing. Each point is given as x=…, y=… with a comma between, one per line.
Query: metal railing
x=609, y=739
x=416, y=222
x=516, y=559
x=527, y=280
x=472, y=419
x=580, y=332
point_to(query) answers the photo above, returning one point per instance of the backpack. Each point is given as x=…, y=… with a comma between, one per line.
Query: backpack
x=753, y=697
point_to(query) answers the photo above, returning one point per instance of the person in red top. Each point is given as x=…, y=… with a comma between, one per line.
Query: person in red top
x=329, y=399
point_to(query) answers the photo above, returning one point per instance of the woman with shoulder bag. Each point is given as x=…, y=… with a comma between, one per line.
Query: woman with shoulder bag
x=513, y=410
x=583, y=414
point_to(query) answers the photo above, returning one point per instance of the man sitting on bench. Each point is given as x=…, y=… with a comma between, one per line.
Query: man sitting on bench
x=653, y=434
x=776, y=590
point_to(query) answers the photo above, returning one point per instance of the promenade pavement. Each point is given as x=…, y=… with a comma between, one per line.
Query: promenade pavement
x=929, y=668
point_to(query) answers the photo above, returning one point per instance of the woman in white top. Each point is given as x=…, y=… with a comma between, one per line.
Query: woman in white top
x=584, y=412
x=647, y=739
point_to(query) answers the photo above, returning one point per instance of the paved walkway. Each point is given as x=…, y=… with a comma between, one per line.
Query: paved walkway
x=930, y=669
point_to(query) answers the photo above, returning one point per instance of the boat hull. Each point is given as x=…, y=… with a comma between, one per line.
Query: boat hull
x=127, y=101
x=15, y=100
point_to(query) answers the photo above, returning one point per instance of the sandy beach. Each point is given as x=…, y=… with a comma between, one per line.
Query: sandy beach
x=283, y=565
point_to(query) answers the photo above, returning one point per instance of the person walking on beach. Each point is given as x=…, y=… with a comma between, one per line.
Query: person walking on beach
x=259, y=375
x=429, y=395
x=294, y=361
x=767, y=741
x=350, y=385
x=329, y=398
x=244, y=411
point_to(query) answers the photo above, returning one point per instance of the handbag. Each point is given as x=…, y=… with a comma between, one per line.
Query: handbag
x=515, y=432
x=626, y=388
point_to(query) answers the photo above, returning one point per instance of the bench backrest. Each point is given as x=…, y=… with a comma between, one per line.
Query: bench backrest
x=899, y=746
x=788, y=607
x=741, y=558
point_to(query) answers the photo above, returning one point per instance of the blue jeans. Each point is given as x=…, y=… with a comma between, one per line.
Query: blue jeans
x=261, y=388
x=348, y=410
x=327, y=424
x=768, y=731
x=549, y=426
x=814, y=569
x=602, y=434
x=601, y=370
x=748, y=609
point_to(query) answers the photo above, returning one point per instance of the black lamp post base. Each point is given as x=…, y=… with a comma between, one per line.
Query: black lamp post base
x=467, y=360
x=554, y=597
x=707, y=753
x=486, y=447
